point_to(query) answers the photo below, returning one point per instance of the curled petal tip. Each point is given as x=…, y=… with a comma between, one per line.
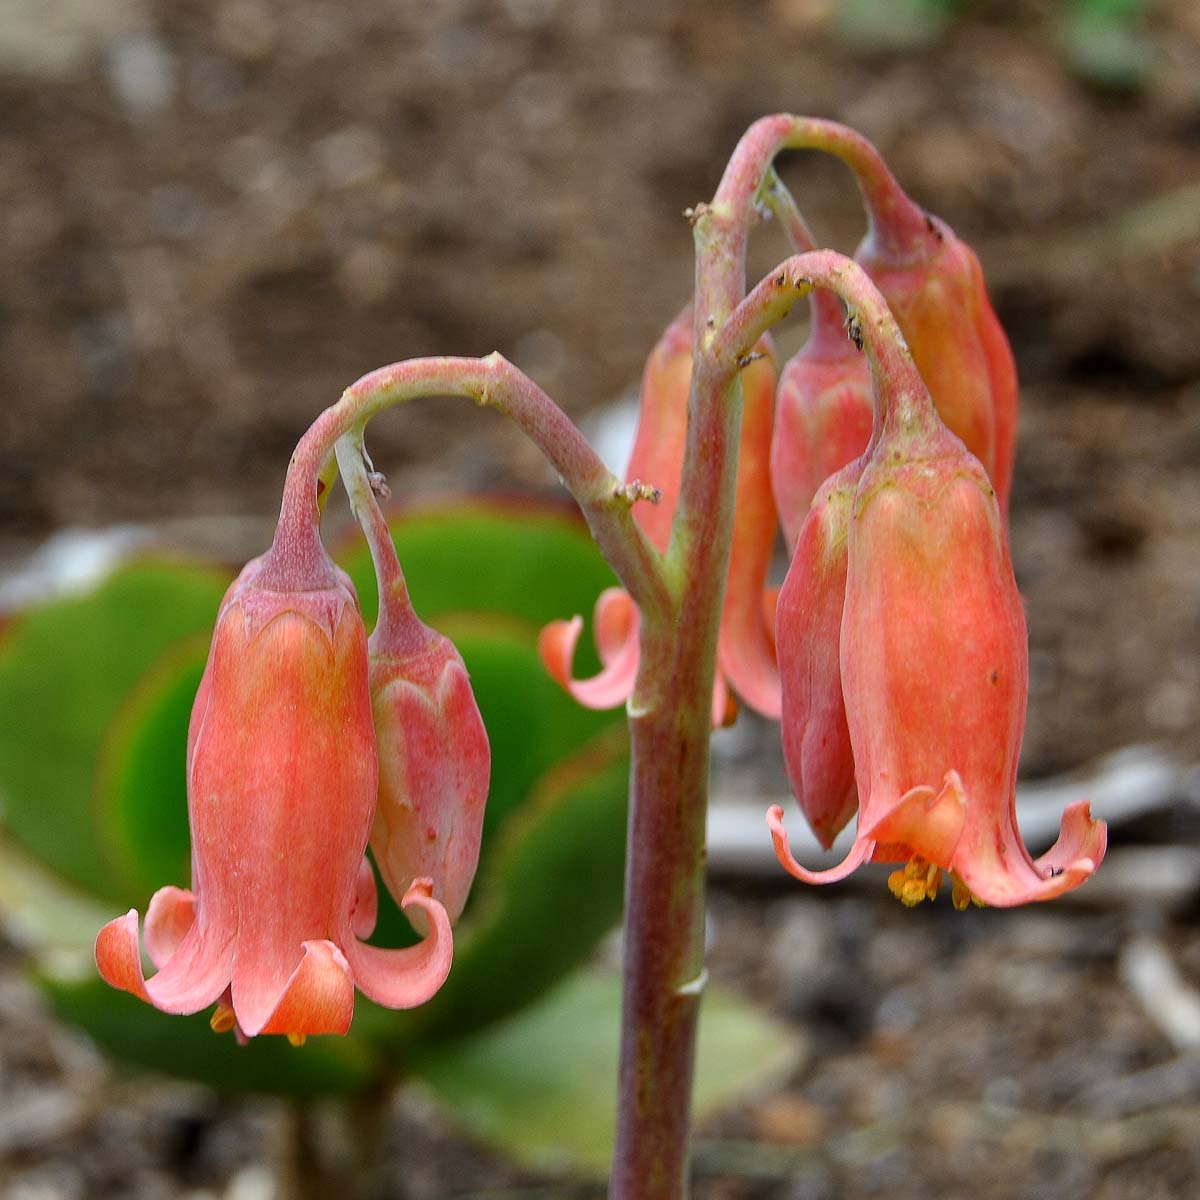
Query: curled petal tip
x=409, y=977
x=614, y=684
x=318, y=998
x=859, y=853
x=169, y=916
x=118, y=956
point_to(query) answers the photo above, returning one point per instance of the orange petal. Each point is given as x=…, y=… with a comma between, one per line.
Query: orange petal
x=859, y=853
x=318, y=998
x=406, y=978
x=118, y=957
x=928, y=822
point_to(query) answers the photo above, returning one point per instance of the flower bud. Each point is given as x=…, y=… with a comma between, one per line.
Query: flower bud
x=434, y=763
x=281, y=778
x=823, y=414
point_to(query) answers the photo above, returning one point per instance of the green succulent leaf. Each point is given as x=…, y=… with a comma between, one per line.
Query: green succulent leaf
x=541, y=1086
x=65, y=670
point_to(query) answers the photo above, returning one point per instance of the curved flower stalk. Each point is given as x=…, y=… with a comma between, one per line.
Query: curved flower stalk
x=745, y=655
x=933, y=283
x=281, y=779
x=933, y=652
x=434, y=757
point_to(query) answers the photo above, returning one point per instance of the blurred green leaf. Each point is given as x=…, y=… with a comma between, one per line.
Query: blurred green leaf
x=542, y=1085
x=141, y=789
x=65, y=670
x=54, y=921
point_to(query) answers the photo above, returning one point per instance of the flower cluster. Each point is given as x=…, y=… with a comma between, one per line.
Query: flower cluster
x=303, y=738
x=899, y=665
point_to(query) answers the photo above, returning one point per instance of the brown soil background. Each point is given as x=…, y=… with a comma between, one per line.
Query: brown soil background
x=216, y=215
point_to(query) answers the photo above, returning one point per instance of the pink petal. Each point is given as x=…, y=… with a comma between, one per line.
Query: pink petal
x=168, y=918
x=859, y=853
x=118, y=957
x=928, y=822
x=616, y=620
x=612, y=686
x=365, y=911
x=406, y=978
x=1080, y=838
x=195, y=975
x=999, y=871
x=746, y=657
x=318, y=998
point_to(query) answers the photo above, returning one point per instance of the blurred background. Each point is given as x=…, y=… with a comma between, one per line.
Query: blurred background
x=216, y=214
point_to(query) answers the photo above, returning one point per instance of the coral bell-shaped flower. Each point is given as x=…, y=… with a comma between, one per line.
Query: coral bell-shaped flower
x=281, y=777
x=934, y=665
x=823, y=412
x=745, y=655
x=934, y=285
x=434, y=759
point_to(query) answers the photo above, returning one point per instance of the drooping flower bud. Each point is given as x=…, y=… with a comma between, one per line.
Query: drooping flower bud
x=934, y=664
x=745, y=658
x=434, y=760
x=816, y=739
x=281, y=776
x=823, y=414
x=934, y=285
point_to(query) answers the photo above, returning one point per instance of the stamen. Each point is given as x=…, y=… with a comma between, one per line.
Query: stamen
x=297, y=1039
x=919, y=880
x=223, y=1019
x=962, y=896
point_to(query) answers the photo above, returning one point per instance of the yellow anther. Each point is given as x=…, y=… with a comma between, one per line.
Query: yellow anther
x=222, y=1020
x=297, y=1039
x=919, y=880
x=961, y=895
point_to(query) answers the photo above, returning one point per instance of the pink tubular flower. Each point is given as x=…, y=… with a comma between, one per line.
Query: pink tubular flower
x=281, y=791
x=434, y=760
x=823, y=413
x=934, y=668
x=745, y=654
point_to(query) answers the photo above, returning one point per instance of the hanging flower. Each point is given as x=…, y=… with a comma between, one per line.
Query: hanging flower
x=934, y=668
x=282, y=779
